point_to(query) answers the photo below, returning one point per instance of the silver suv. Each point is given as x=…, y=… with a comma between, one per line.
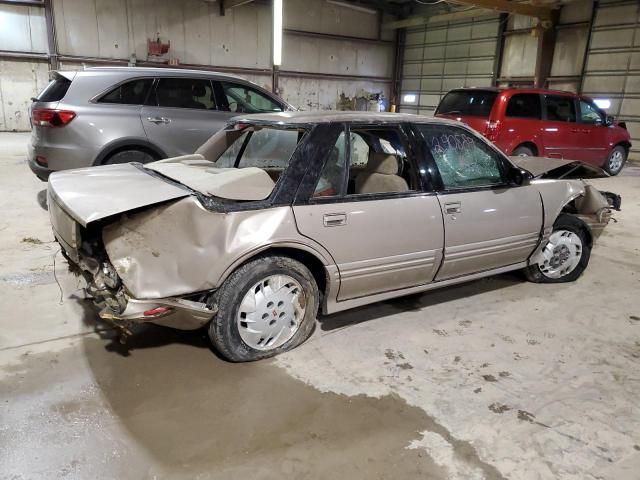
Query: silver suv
x=108, y=115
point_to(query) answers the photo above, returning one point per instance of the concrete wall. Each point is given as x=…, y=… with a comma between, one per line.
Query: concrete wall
x=116, y=29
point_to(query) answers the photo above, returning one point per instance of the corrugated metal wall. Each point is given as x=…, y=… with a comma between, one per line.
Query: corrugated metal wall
x=613, y=63
x=440, y=57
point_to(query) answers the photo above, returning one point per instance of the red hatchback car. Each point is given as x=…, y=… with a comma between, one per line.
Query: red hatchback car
x=545, y=123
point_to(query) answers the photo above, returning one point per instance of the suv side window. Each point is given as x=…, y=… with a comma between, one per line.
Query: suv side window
x=525, y=105
x=560, y=108
x=133, y=92
x=463, y=160
x=590, y=114
x=184, y=93
x=245, y=99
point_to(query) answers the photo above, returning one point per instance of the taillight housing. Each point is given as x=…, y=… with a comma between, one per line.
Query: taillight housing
x=493, y=130
x=49, y=117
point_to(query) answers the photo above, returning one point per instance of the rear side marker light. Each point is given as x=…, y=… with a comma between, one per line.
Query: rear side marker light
x=42, y=161
x=154, y=312
x=48, y=117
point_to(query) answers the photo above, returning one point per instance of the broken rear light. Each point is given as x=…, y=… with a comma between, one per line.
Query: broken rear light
x=154, y=312
x=48, y=117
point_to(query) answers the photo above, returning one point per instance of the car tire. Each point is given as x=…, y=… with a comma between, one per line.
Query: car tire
x=127, y=156
x=266, y=307
x=523, y=151
x=566, y=254
x=616, y=160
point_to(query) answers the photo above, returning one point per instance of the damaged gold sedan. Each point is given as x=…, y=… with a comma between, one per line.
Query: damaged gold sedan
x=280, y=215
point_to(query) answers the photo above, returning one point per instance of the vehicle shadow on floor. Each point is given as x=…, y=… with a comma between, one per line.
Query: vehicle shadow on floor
x=41, y=198
x=417, y=301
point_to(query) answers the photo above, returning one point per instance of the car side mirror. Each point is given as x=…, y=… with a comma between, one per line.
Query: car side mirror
x=609, y=121
x=518, y=176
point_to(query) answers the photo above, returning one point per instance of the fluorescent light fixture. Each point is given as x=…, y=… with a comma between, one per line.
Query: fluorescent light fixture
x=602, y=103
x=409, y=98
x=352, y=7
x=277, y=32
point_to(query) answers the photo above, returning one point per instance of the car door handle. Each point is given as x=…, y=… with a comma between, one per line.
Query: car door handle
x=334, y=219
x=158, y=120
x=453, y=207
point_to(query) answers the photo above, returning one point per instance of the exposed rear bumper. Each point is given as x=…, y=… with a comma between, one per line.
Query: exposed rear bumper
x=177, y=313
x=41, y=172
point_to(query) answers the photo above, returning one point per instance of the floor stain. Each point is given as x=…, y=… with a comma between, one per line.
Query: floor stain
x=499, y=408
x=189, y=409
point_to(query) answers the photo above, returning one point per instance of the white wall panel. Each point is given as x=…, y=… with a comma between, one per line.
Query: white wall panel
x=22, y=29
x=20, y=80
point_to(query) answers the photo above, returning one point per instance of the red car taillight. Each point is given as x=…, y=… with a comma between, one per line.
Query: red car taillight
x=493, y=130
x=48, y=117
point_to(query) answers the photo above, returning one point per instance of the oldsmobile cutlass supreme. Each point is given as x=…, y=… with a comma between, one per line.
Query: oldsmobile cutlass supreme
x=280, y=215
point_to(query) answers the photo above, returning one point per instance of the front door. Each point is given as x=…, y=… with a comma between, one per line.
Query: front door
x=488, y=224
x=369, y=211
x=595, y=133
x=181, y=114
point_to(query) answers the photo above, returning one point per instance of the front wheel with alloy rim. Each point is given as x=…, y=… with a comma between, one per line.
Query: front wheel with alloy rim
x=566, y=254
x=616, y=160
x=266, y=307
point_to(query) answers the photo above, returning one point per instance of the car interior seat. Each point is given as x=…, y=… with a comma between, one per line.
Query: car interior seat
x=381, y=175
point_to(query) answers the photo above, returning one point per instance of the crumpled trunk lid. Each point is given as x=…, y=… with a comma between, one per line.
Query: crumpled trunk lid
x=95, y=193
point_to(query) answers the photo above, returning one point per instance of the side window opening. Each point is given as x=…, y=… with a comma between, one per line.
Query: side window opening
x=560, y=108
x=331, y=181
x=133, y=92
x=245, y=99
x=196, y=93
x=463, y=160
x=374, y=160
x=525, y=105
x=590, y=114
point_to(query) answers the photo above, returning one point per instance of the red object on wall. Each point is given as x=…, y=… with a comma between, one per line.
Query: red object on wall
x=156, y=47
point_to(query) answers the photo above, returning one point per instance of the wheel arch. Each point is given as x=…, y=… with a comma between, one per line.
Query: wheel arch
x=529, y=144
x=126, y=144
x=306, y=255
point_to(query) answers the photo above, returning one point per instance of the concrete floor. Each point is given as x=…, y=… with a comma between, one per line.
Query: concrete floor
x=494, y=379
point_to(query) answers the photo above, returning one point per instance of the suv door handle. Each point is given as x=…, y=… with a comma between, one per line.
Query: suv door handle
x=158, y=120
x=453, y=207
x=334, y=219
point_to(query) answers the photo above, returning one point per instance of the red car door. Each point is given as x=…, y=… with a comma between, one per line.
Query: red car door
x=561, y=134
x=594, y=133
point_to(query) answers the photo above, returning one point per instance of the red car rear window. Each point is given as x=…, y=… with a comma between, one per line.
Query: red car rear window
x=476, y=103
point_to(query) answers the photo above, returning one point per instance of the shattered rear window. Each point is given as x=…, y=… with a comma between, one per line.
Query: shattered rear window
x=261, y=147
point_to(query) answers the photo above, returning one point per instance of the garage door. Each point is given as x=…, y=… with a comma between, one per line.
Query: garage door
x=440, y=57
x=613, y=63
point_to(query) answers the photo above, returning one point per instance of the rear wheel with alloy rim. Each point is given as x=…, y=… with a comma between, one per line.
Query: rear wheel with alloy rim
x=566, y=254
x=522, y=151
x=266, y=307
x=616, y=160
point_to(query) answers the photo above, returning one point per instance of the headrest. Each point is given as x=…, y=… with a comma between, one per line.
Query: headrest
x=384, y=163
x=198, y=90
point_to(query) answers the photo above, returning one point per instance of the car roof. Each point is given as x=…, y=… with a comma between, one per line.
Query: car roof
x=159, y=71
x=333, y=116
x=512, y=90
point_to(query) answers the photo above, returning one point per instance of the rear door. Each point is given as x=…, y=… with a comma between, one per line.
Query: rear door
x=366, y=206
x=488, y=223
x=594, y=132
x=181, y=114
x=561, y=135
